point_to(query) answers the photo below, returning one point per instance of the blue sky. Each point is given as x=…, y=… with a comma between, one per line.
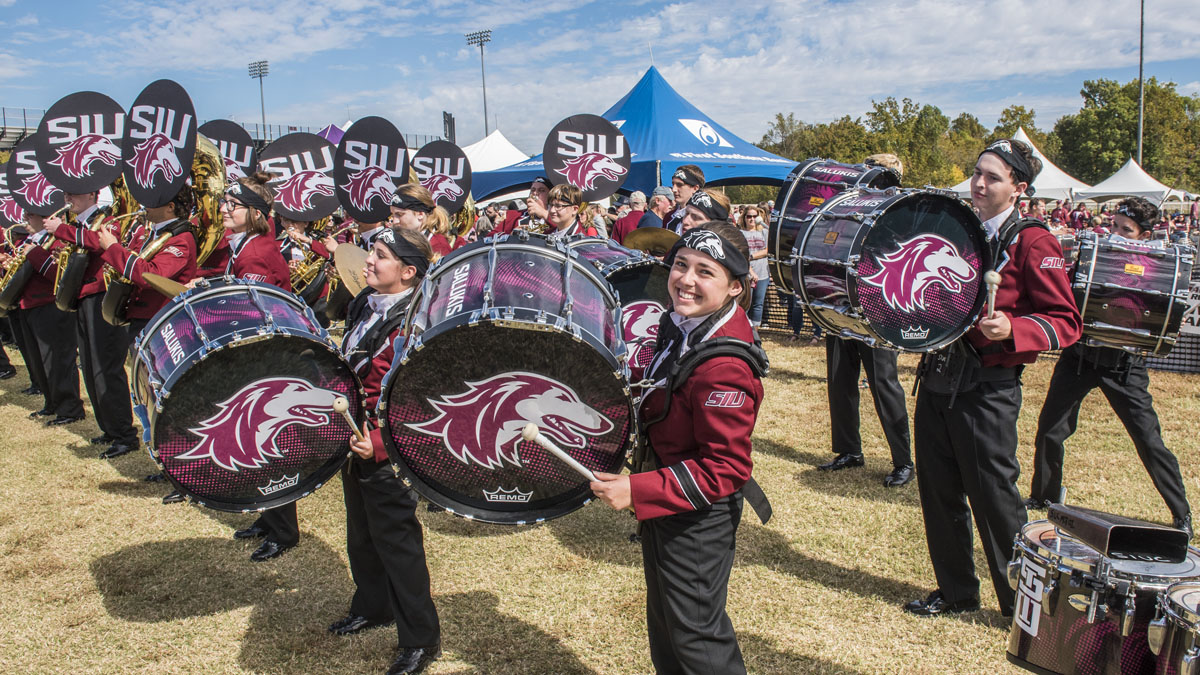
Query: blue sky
x=739, y=62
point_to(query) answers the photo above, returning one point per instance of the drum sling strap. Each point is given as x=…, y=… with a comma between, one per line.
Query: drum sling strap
x=372, y=340
x=958, y=367
x=755, y=357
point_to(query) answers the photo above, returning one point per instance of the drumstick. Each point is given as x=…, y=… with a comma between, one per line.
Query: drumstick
x=531, y=433
x=992, y=279
x=342, y=407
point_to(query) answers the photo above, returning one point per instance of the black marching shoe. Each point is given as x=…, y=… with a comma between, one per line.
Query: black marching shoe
x=44, y=412
x=1035, y=504
x=173, y=497
x=31, y=390
x=269, y=549
x=353, y=623
x=102, y=439
x=936, y=604
x=117, y=449
x=901, y=475
x=1185, y=524
x=252, y=532
x=413, y=660
x=844, y=460
x=155, y=478
x=7, y=372
x=64, y=419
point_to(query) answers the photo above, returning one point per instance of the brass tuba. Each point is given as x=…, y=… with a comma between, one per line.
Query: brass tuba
x=309, y=275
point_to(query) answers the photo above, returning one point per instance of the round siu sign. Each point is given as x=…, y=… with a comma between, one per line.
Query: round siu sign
x=589, y=152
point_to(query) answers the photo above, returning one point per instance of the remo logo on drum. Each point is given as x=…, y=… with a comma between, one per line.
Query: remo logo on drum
x=242, y=434
x=906, y=273
x=483, y=424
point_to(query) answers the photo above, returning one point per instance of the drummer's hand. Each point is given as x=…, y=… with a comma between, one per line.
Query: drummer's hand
x=106, y=238
x=51, y=224
x=330, y=243
x=363, y=448
x=613, y=490
x=193, y=283
x=996, y=328
x=299, y=236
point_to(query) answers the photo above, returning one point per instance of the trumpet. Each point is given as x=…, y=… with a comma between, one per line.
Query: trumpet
x=308, y=275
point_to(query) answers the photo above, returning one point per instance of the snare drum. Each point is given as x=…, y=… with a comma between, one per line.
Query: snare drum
x=900, y=269
x=1175, y=631
x=1080, y=612
x=502, y=333
x=806, y=189
x=640, y=281
x=239, y=381
x=1131, y=295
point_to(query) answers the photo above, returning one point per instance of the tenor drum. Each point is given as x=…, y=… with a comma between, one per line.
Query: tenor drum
x=640, y=281
x=239, y=380
x=812, y=183
x=1132, y=295
x=1078, y=611
x=502, y=333
x=900, y=269
x=1175, y=631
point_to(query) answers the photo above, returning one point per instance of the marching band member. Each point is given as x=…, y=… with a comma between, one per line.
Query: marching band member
x=413, y=208
x=102, y=346
x=970, y=392
x=1123, y=378
x=704, y=206
x=533, y=217
x=49, y=332
x=686, y=180
x=562, y=212
x=690, y=503
x=383, y=536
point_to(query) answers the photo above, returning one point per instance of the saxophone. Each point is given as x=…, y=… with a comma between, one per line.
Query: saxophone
x=309, y=275
x=73, y=259
x=18, y=271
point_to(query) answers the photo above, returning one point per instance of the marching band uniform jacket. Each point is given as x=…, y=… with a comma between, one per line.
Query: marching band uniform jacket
x=48, y=333
x=371, y=357
x=93, y=277
x=703, y=444
x=175, y=261
x=40, y=289
x=257, y=258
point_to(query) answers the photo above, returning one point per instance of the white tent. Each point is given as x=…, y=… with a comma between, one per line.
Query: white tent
x=1051, y=183
x=493, y=152
x=1130, y=181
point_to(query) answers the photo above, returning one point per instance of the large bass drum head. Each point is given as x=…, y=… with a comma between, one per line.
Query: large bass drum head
x=454, y=411
x=251, y=426
x=919, y=277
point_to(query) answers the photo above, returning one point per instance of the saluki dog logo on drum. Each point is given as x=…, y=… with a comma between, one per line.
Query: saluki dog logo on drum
x=639, y=322
x=367, y=185
x=242, y=434
x=75, y=158
x=484, y=423
x=584, y=170
x=296, y=192
x=906, y=273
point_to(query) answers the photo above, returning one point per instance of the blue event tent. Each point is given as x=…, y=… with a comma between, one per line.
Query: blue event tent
x=664, y=132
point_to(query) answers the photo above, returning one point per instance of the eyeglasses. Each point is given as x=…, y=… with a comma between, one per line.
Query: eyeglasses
x=751, y=215
x=230, y=204
x=558, y=206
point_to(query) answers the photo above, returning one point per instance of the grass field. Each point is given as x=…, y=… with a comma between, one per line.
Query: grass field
x=96, y=575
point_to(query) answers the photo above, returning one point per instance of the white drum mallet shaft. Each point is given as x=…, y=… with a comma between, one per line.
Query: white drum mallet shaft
x=342, y=407
x=992, y=279
x=531, y=433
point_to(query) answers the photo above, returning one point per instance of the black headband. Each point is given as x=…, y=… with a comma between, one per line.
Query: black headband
x=711, y=208
x=1128, y=213
x=1022, y=171
x=717, y=247
x=688, y=177
x=404, y=250
x=543, y=180
x=250, y=198
x=410, y=203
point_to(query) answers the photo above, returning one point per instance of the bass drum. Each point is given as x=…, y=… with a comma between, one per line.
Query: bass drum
x=812, y=183
x=239, y=382
x=640, y=281
x=1131, y=295
x=502, y=333
x=900, y=269
x=1078, y=611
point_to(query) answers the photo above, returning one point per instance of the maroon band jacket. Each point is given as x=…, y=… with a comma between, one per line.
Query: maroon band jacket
x=703, y=444
x=258, y=259
x=93, y=277
x=175, y=261
x=372, y=356
x=39, y=290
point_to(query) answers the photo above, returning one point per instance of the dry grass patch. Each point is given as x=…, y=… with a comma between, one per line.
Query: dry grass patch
x=96, y=575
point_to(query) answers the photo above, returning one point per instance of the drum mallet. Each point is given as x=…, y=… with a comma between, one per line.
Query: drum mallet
x=992, y=279
x=342, y=407
x=531, y=433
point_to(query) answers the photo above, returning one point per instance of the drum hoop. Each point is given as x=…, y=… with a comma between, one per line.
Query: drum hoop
x=1180, y=613
x=1157, y=581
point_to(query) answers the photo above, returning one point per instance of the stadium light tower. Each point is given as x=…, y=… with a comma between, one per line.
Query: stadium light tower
x=259, y=69
x=1141, y=82
x=481, y=37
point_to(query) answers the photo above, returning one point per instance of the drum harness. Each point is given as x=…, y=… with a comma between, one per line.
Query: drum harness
x=752, y=354
x=958, y=367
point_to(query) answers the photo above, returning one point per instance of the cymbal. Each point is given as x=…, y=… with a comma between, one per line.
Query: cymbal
x=350, y=262
x=656, y=241
x=167, y=287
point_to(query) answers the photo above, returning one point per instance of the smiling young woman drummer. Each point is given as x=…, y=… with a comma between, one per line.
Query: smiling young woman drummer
x=688, y=498
x=383, y=536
